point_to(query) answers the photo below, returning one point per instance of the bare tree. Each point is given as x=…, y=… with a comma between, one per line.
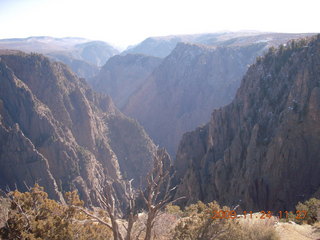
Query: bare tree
x=108, y=200
x=157, y=193
x=132, y=213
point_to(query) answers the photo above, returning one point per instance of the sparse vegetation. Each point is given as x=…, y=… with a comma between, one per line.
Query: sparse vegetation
x=157, y=194
x=312, y=207
x=174, y=209
x=33, y=216
x=197, y=224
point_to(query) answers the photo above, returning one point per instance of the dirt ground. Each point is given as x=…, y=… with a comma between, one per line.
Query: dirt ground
x=286, y=230
x=294, y=231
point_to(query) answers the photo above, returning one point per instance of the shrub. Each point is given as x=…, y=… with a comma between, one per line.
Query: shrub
x=258, y=229
x=197, y=224
x=32, y=215
x=312, y=206
x=173, y=209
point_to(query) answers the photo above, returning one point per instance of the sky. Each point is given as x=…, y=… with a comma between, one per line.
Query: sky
x=128, y=22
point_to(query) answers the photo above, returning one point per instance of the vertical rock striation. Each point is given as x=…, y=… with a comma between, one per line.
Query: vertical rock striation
x=56, y=130
x=262, y=150
x=182, y=91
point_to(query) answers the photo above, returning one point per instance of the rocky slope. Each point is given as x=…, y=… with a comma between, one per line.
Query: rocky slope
x=81, y=55
x=95, y=52
x=181, y=93
x=262, y=150
x=194, y=79
x=121, y=76
x=80, y=67
x=55, y=130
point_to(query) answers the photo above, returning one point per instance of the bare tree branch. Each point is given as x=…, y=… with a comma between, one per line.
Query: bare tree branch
x=93, y=216
x=158, y=191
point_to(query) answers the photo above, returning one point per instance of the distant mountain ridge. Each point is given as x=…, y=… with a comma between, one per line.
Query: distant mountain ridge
x=83, y=56
x=162, y=46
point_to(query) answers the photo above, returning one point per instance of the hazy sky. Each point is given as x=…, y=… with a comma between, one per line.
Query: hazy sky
x=126, y=22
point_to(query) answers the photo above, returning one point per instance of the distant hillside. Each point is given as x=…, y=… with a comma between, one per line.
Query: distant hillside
x=121, y=76
x=162, y=46
x=81, y=55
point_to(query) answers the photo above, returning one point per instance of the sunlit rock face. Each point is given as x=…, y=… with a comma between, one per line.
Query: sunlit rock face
x=56, y=131
x=262, y=150
x=200, y=73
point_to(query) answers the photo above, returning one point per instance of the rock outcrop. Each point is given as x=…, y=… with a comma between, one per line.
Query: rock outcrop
x=262, y=150
x=121, y=76
x=55, y=130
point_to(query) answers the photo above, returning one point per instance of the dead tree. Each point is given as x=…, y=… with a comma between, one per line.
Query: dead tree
x=108, y=200
x=158, y=191
x=132, y=214
x=156, y=195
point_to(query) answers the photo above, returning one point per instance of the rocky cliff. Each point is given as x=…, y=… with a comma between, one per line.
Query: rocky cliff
x=262, y=150
x=183, y=90
x=121, y=76
x=55, y=130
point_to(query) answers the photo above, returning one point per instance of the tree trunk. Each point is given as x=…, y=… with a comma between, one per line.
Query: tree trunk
x=149, y=225
x=115, y=229
x=130, y=225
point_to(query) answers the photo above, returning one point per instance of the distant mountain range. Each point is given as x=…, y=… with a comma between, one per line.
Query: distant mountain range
x=162, y=46
x=83, y=56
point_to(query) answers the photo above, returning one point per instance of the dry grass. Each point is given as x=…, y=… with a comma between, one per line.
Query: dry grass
x=294, y=231
x=263, y=228
x=4, y=206
x=163, y=226
x=259, y=229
